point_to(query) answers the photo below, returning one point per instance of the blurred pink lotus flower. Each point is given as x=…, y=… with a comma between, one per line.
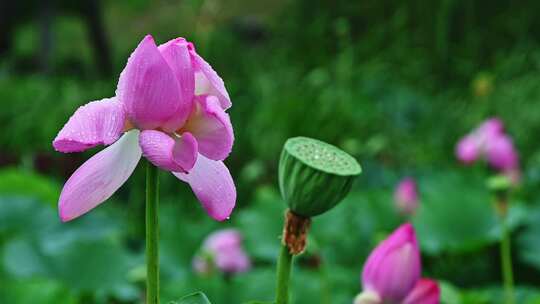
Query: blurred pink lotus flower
x=222, y=249
x=170, y=107
x=490, y=142
x=392, y=272
x=406, y=196
x=468, y=150
x=501, y=154
x=491, y=127
x=474, y=144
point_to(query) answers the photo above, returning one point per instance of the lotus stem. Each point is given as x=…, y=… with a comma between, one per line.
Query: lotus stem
x=506, y=263
x=283, y=275
x=152, y=234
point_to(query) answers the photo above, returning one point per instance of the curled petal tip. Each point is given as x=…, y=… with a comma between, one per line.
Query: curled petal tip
x=408, y=227
x=208, y=81
x=179, y=40
x=221, y=218
x=406, y=231
x=64, y=218
x=220, y=215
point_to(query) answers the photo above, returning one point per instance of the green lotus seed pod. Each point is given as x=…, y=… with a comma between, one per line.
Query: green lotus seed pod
x=314, y=176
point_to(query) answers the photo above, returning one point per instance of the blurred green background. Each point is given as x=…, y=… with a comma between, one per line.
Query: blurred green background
x=394, y=83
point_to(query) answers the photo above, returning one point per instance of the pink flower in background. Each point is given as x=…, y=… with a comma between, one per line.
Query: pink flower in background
x=392, y=272
x=170, y=107
x=490, y=142
x=474, y=144
x=222, y=249
x=490, y=128
x=406, y=196
x=425, y=291
x=501, y=154
x=468, y=149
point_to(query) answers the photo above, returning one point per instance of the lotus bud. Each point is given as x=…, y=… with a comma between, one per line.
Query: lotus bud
x=406, y=196
x=393, y=268
x=314, y=176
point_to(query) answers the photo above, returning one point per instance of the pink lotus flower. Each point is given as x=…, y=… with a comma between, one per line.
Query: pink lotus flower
x=406, y=196
x=426, y=291
x=490, y=142
x=170, y=107
x=223, y=249
x=392, y=273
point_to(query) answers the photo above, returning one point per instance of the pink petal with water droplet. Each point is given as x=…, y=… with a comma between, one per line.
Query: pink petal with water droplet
x=96, y=123
x=99, y=177
x=213, y=185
